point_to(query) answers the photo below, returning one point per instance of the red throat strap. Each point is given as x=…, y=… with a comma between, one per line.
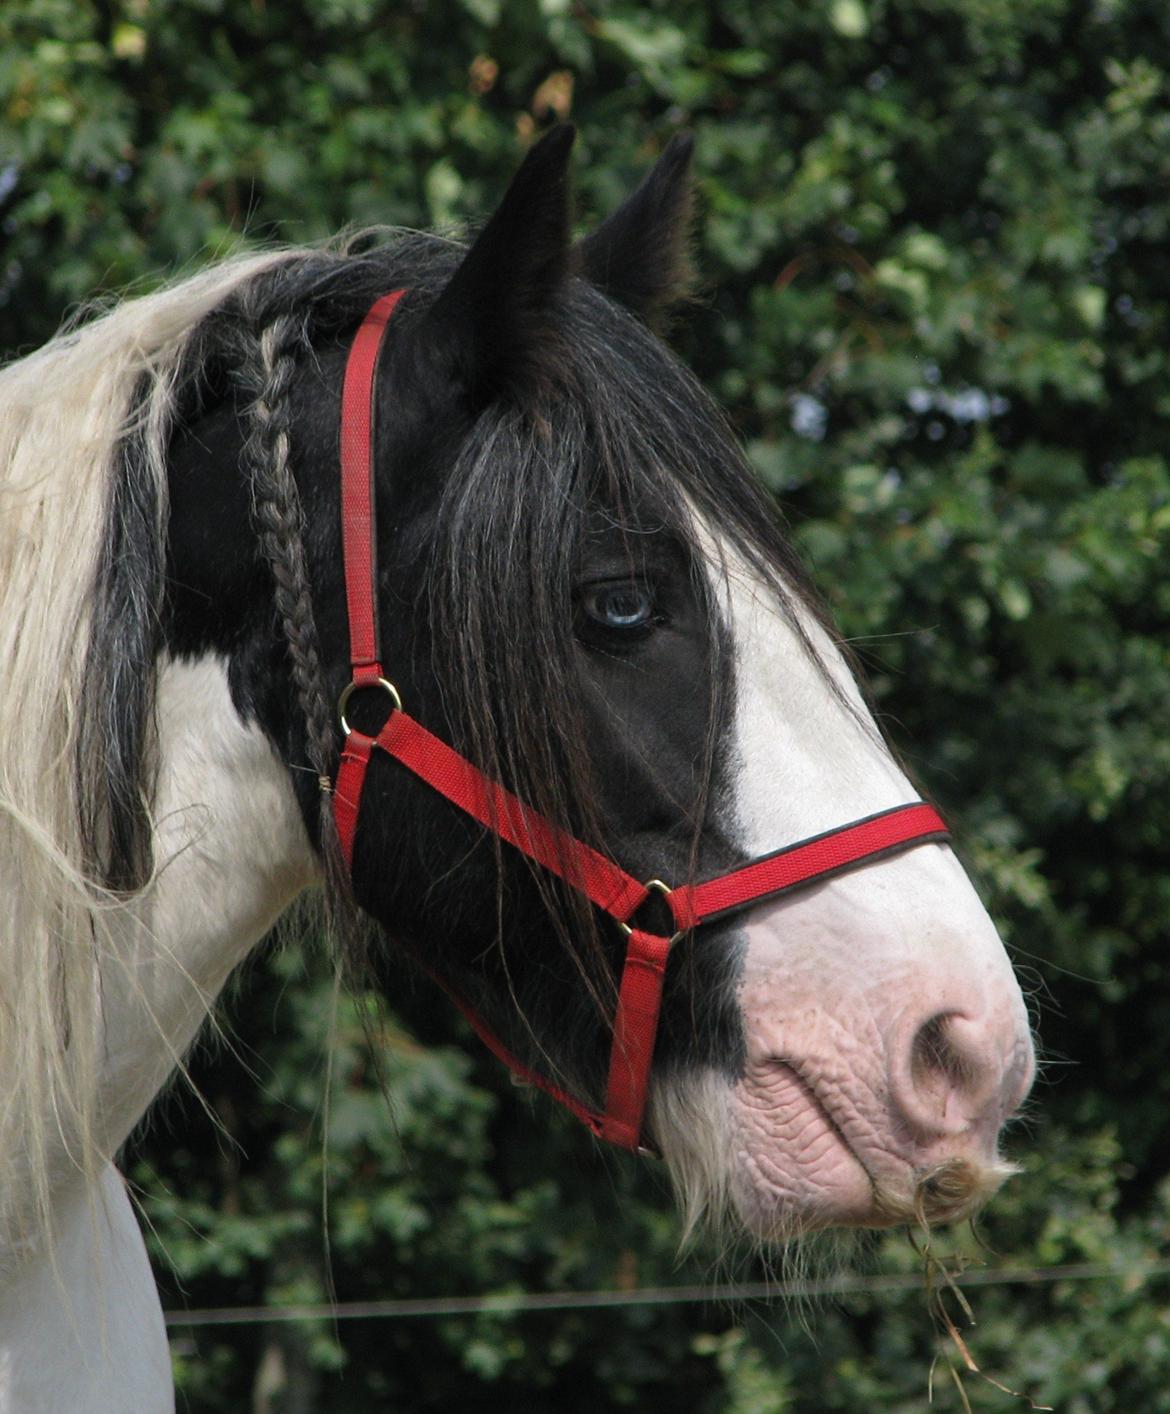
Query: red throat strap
x=604, y=883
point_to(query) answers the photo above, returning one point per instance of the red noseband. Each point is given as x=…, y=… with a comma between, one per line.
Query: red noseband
x=602, y=881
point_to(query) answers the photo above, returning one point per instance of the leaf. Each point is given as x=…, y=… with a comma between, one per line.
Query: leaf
x=849, y=18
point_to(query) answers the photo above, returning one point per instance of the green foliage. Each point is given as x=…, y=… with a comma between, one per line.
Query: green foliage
x=935, y=235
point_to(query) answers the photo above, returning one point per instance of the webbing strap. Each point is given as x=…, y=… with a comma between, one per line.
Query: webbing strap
x=524, y=1074
x=357, y=489
x=811, y=860
x=347, y=790
x=635, y=1030
x=601, y=881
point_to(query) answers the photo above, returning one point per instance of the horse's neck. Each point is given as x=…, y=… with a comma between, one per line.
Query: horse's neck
x=233, y=854
x=80, y=1326
x=83, y=1330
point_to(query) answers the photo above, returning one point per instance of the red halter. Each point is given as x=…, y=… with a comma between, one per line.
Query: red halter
x=602, y=881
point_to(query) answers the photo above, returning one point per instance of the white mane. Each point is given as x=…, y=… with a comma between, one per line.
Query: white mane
x=63, y=413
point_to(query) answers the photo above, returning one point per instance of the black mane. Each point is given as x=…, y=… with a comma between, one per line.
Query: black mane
x=653, y=431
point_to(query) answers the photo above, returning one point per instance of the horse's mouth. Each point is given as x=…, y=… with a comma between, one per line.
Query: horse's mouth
x=826, y=1167
x=799, y=1171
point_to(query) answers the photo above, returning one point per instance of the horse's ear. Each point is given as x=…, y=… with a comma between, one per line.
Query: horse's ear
x=494, y=316
x=640, y=256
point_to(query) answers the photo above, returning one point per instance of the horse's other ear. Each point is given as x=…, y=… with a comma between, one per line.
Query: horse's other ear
x=494, y=316
x=641, y=256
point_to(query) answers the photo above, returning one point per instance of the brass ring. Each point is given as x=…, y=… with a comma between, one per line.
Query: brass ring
x=350, y=688
x=670, y=942
x=665, y=890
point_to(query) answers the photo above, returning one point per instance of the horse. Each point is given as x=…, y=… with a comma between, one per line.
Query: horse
x=423, y=578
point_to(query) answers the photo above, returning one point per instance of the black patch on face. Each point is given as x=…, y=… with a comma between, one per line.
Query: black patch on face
x=501, y=509
x=636, y=712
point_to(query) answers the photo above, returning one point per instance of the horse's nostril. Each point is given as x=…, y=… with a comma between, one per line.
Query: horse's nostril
x=937, y=1063
x=954, y=1073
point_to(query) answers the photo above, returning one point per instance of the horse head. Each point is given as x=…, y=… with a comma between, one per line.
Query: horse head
x=579, y=588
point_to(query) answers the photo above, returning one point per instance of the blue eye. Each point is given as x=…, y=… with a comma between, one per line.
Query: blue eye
x=618, y=605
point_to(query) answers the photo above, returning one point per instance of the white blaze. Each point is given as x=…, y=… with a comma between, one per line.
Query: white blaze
x=885, y=1032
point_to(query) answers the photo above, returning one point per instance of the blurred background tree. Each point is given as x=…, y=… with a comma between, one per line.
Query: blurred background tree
x=934, y=235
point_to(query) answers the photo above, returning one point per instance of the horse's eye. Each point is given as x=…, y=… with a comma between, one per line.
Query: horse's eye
x=618, y=604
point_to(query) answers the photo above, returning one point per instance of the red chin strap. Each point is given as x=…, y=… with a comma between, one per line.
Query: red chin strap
x=603, y=882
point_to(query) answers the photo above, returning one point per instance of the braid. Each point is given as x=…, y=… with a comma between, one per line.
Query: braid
x=276, y=509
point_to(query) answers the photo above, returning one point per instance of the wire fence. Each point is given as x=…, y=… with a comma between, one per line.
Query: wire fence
x=515, y=1303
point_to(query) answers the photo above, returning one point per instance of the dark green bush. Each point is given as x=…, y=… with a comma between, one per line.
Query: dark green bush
x=935, y=239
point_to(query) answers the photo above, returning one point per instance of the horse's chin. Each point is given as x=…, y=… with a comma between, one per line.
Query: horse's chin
x=949, y=1193
x=776, y=1167
x=803, y=1164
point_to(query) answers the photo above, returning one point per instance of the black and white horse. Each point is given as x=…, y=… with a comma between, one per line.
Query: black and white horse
x=580, y=589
